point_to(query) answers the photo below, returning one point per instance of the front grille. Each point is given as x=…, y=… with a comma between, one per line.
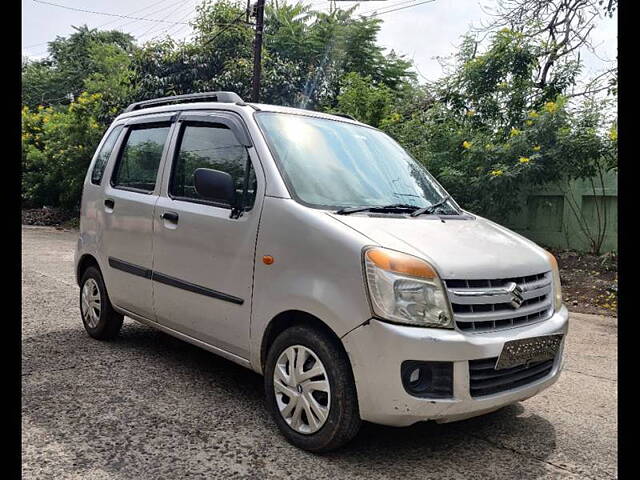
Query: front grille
x=485, y=305
x=484, y=379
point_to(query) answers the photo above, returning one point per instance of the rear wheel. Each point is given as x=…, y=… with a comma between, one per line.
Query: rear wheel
x=310, y=390
x=99, y=318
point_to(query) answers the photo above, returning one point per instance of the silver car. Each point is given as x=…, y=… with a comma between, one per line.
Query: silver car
x=313, y=249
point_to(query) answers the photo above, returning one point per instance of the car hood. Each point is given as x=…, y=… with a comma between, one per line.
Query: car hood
x=467, y=247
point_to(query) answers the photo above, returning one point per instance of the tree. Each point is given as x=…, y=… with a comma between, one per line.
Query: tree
x=330, y=45
x=511, y=113
x=87, y=60
x=111, y=77
x=57, y=146
x=491, y=130
x=587, y=149
x=561, y=29
x=306, y=55
x=40, y=83
x=219, y=58
x=365, y=101
x=74, y=57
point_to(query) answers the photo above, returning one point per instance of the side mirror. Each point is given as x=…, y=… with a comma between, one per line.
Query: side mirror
x=214, y=185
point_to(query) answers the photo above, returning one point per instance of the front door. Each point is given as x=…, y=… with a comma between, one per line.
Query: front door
x=127, y=214
x=203, y=251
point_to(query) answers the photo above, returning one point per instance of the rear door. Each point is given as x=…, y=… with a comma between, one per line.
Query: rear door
x=127, y=210
x=203, y=255
x=92, y=207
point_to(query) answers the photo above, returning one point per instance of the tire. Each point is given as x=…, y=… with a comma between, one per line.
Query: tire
x=338, y=406
x=100, y=320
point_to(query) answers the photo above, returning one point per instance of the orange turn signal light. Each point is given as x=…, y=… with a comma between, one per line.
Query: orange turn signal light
x=267, y=259
x=552, y=259
x=400, y=263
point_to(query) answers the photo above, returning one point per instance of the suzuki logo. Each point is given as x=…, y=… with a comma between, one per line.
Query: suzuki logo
x=516, y=294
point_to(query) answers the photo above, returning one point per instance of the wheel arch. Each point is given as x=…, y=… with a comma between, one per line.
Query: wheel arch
x=87, y=260
x=289, y=318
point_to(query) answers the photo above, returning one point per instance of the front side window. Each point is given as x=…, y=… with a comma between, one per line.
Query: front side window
x=104, y=154
x=333, y=164
x=217, y=148
x=140, y=158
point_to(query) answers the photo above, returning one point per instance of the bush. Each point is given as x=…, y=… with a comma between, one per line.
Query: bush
x=57, y=146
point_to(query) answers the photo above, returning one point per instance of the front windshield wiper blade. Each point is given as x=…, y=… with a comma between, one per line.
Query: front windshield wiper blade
x=431, y=208
x=381, y=208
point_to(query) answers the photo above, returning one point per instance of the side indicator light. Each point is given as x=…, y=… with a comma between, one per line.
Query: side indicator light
x=267, y=259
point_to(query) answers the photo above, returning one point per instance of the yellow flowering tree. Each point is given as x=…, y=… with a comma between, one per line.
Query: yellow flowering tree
x=57, y=146
x=521, y=133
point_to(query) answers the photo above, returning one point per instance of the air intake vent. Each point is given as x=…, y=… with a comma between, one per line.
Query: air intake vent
x=484, y=379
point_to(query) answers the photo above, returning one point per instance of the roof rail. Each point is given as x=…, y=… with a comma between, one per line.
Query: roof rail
x=223, y=97
x=344, y=115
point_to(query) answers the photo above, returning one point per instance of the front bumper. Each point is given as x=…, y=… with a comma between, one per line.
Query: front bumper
x=377, y=349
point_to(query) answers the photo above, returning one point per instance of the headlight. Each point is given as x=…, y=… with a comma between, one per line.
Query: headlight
x=405, y=289
x=555, y=279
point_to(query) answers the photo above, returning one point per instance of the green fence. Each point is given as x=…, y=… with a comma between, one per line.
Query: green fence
x=547, y=218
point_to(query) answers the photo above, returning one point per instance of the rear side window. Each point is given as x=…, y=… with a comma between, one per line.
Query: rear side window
x=217, y=148
x=140, y=158
x=104, y=154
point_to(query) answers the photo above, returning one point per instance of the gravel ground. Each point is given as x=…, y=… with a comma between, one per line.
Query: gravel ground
x=148, y=406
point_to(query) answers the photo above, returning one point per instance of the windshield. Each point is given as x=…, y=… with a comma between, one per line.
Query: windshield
x=332, y=164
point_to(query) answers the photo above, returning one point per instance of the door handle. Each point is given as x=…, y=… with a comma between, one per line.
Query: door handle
x=109, y=203
x=170, y=217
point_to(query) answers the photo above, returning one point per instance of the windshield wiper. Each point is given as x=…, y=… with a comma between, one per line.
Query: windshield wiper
x=381, y=208
x=431, y=208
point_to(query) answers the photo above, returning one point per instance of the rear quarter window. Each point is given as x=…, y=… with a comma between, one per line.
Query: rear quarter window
x=103, y=155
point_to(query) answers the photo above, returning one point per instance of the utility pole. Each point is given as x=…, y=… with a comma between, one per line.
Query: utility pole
x=257, y=51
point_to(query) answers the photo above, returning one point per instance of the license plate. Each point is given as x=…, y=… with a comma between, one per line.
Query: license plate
x=528, y=350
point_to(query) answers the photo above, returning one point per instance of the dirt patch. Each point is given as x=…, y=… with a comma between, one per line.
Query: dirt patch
x=589, y=282
x=51, y=217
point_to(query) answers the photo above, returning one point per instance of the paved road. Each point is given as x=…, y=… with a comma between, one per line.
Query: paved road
x=148, y=406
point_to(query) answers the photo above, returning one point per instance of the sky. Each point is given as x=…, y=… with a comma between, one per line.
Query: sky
x=422, y=33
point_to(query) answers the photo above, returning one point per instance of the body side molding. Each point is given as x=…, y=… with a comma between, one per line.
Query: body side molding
x=171, y=281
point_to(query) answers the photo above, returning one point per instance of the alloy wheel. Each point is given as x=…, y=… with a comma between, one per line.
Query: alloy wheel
x=90, y=303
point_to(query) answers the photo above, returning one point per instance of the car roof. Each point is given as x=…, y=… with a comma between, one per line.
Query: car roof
x=263, y=107
x=301, y=111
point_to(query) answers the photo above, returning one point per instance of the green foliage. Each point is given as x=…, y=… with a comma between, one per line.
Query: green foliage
x=111, y=77
x=490, y=130
x=219, y=58
x=75, y=57
x=40, y=82
x=499, y=84
x=139, y=165
x=499, y=122
x=306, y=55
x=57, y=146
x=365, y=101
x=87, y=61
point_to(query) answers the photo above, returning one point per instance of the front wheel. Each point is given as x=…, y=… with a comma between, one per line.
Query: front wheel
x=310, y=390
